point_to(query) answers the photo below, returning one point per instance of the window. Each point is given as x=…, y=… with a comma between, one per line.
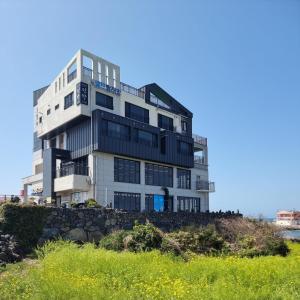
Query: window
x=59, y=84
x=87, y=66
x=127, y=201
x=52, y=143
x=106, y=74
x=126, y=170
x=72, y=71
x=99, y=71
x=40, y=120
x=104, y=100
x=183, y=126
x=61, y=141
x=165, y=122
x=184, y=148
x=64, y=79
x=158, y=175
x=146, y=138
x=38, y=168
x=69, y=100
x=190, y=204
x=56, y=107
x=115, y=130
x=114, y=79
x=158, y=102
x=55, y=87
x=150, y=200
x=183, y=179
x=48, y=111
x=136, y=112
x=163, y=145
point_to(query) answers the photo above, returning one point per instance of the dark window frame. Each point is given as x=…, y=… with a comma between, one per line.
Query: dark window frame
x=189, y=204
x=151, y=140
x=127, y=170
x=127, y=201
x=183, y=179
x=136, y=113
x=69, y=100
x=158, y=175
x=104, y=100
x=165, y=122
x=108, y=128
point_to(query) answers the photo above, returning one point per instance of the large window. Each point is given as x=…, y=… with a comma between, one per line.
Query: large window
x=150, y=203
x=136, y=112
x=184, y=148
x=165, y=122
x=183, y=179
x=69, y=100
x=146, y=138
x=158, y=175
x=104, y=100
x=115, y=130
x=126, y=170
x=127, y=201
x=190, y=204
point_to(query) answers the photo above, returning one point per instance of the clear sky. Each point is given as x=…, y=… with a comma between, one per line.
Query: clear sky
x=234, y=64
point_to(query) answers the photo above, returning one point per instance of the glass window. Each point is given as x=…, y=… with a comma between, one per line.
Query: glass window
x=183, y=126
x=72, y=72
x=183, y=179
x=69, y=100
x=165, y=122
x=190, y=204
x=127, y=201
x=52, y=143
x=146, y=138
x=56, y=106
x=106, y=74
x=114, y=78
x=99, y=71
x=126, y=170
x=158, y=102
x=48, y=111
x=184, y=148
x=158, y=175
x=136, y=112
x=115, y=130
x=104, y=100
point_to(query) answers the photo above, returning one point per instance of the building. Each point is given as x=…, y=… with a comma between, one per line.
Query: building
x=128, y=148
x=288, y=218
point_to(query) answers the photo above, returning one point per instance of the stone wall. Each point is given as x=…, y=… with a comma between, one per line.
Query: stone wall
x=92, y=224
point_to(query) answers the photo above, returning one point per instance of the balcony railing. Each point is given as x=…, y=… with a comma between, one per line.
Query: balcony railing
x=72, y=169
x=205, y=186
x=132, y=90
x=200, y=139
x=87, y=72
x=72, y=76
x=199, y=161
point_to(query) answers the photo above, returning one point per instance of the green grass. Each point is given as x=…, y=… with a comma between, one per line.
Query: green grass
x=69, y=272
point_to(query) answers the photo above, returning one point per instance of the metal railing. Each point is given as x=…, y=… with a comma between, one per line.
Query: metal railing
x=72, y=169
x=87, y=72
x=200, y=139
x=132, y=90
x=207, y=186
x=199, y=161
x=72, y=76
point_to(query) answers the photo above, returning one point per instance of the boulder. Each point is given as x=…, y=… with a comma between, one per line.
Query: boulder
x=76, y=234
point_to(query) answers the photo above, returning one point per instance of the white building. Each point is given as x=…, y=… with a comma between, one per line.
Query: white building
x=128, y=148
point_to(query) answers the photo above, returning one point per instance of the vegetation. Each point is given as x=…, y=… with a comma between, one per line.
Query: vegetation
x=67, y=271
x=201, y=240
x=25, y=222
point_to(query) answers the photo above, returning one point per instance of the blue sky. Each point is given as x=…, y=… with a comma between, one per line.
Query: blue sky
x=234, y=64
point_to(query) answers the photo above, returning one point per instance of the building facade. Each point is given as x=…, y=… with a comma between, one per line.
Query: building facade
x=288, y=218
x=128, y=148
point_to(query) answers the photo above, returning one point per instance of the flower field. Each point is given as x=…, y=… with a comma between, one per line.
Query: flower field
x=66, y=271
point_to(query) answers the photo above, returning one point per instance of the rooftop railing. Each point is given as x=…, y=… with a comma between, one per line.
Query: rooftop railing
x=132, y=90
x=200, y=139
x=205, y=186
x=199, y=161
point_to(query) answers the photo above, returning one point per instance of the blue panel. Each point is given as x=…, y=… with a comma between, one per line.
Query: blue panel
x=158, y=203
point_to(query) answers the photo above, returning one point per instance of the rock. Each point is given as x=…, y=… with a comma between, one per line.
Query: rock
x=77, y=234
x=95, y=236
x=10, y=251
x=49, y=233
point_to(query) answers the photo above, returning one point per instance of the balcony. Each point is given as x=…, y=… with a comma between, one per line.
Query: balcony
x=205, y=186
x=72, y=169
x=199, y=142
x=199, y=162
x=132, y=90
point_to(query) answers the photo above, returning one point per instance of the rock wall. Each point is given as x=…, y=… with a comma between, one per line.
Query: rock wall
x=92, y=224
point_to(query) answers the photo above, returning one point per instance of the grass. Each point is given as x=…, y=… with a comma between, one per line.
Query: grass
x=64, y=271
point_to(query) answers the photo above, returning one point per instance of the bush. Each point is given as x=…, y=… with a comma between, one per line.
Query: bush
x=199, y=240
x=24, y=222
x=91, y=203
x=144, y=238
x=114, y=241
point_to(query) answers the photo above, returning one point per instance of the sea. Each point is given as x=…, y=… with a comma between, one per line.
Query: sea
x=291, y=234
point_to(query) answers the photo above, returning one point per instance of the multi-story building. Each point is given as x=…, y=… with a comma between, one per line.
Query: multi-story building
x=128, y=148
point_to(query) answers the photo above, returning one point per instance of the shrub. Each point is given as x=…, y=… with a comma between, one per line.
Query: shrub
x=24, y=222
x=114, y=241
x=144, y=238
x=199, y=240
x=91, y=203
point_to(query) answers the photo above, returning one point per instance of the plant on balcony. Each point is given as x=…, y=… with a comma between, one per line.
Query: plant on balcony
x=91, y=203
